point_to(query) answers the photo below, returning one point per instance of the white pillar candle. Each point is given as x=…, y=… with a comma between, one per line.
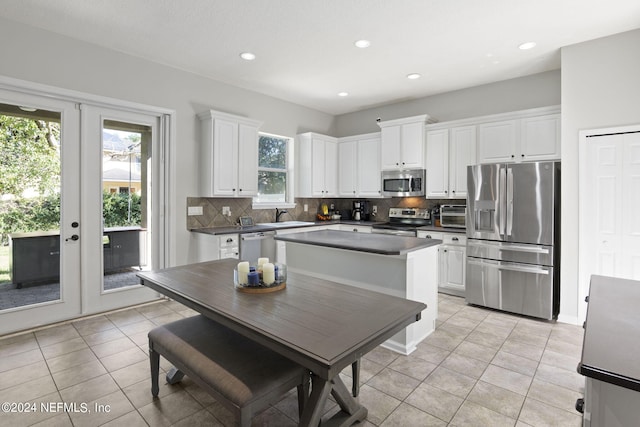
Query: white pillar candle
x=268, y=273
x=243, y=272
x=262, y=261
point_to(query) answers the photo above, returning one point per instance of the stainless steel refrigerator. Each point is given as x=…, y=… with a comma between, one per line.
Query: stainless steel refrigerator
x=513, y=237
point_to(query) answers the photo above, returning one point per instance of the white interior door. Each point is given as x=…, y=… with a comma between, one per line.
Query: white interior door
x=43, y=260
x=610, y=208
x=119, y=213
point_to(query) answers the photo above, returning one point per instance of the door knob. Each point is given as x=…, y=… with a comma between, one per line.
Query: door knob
x=73, y=237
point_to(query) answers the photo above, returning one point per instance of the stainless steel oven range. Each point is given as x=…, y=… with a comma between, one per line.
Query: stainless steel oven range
x=404, y=221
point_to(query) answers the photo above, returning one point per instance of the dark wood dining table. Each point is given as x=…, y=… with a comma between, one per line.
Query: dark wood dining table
x=322, y=325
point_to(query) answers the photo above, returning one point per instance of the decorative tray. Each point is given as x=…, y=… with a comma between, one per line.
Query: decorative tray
x=262, y=278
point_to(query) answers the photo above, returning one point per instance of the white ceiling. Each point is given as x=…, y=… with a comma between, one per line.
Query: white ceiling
x=305, y=51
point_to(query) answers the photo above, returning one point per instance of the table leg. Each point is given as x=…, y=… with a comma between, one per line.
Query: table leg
x=320, y=390
x=355, y=374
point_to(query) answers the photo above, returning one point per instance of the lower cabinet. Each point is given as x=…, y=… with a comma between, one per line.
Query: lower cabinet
x=452, y=255
x=121, y=250
x=210, y=247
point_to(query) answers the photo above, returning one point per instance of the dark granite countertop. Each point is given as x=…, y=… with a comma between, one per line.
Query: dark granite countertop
x=612, y=338
x=384, y=244
x=233, y=229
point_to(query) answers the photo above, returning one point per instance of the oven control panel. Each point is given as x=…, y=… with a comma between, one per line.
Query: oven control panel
x=411, y=213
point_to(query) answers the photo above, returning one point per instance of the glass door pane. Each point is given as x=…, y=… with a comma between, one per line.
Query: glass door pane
x=125, y=154
x=29, y=206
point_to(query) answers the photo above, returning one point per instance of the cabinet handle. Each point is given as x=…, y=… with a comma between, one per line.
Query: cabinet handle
x=233, y=189
x=428, y=236
x=512, y=156
x=354, y=191
x=446, y=192
x=522, y=155
x=444, y=250
x=355, y=230
x=455, y=239
x=240, y=189
x=229, y=240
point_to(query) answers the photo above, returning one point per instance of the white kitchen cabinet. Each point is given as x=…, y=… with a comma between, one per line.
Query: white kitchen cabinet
x=540, y=138
x=449, y=152
x=317, y=167
x=498, y=142
x=211, y=247
x=359, y=166
x=452, y=255
x=520, y=140
x=229, y=157
x=402, y=145
x=347, y=168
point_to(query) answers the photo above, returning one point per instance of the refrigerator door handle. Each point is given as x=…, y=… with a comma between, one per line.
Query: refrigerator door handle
x=509, y=247
x=509, y=203
x=502, y=202
x=523, y=269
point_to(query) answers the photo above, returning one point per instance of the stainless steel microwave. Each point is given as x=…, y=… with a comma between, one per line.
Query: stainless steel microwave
x=404, y=183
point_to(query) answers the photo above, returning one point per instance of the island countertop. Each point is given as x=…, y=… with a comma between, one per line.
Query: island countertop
x=383, y=244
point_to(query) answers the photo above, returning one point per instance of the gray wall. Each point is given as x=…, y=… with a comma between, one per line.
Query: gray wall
x=537, y=90
x=600, y=89
x=34, y=55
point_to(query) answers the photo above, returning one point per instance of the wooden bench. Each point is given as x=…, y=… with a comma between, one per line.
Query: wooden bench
x=240, y=374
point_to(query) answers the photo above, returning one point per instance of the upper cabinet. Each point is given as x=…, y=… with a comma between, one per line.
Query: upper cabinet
x=317, y=166
x=449, y=152
x=359, y=166
x=229, y=155
x=402, y=145
x=520, y=139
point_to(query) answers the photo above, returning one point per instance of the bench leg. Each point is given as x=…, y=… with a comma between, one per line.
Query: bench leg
x=174, y=376
x=154, y=359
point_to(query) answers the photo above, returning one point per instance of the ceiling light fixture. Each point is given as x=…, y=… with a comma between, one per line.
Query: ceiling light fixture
x=413, y=76
x=247, y=56
x=363, y=44
x=343, y=94
x=527, y=45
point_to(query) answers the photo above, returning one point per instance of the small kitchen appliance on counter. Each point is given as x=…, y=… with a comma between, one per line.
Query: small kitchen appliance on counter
x=404, y=221
x=453, y=216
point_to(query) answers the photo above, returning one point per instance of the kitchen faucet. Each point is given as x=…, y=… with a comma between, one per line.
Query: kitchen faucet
x=279, y=213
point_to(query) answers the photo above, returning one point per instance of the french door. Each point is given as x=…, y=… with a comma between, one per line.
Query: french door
x=42, y=255
x=97, y=222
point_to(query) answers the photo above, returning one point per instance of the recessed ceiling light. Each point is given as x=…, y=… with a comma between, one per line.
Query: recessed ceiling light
x=362, y=43
x=247, y=56
x=527, y=45
x=343, y=94
x=413, y=76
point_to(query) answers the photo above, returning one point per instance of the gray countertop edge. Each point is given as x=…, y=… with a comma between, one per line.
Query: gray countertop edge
x=236, y=229
x=380, y=250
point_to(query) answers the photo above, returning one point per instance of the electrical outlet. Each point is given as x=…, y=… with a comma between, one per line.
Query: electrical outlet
x=306, y=207
x=194, y=210
x=226, y=210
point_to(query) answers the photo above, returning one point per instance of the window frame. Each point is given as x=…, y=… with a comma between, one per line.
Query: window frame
x=290, y=177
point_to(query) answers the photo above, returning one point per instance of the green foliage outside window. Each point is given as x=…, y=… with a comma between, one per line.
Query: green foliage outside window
x=272, y=169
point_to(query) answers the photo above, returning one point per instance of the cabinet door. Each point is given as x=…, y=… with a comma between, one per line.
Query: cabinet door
x=331, y=168
x=368, y=182
x=497, y=141
x=462, y=153
x=225, y=157
x=438, y=164
x=347, y=169
x=317, y=167
x=390, y=147
x=412, y=145
x=540, y=138
x=247, y=160
x=453, y=264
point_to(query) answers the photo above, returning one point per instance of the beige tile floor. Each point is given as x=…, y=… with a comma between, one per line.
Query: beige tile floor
x=479, y=368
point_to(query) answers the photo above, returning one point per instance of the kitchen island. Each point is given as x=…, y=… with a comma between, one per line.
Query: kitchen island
x=405, y=267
